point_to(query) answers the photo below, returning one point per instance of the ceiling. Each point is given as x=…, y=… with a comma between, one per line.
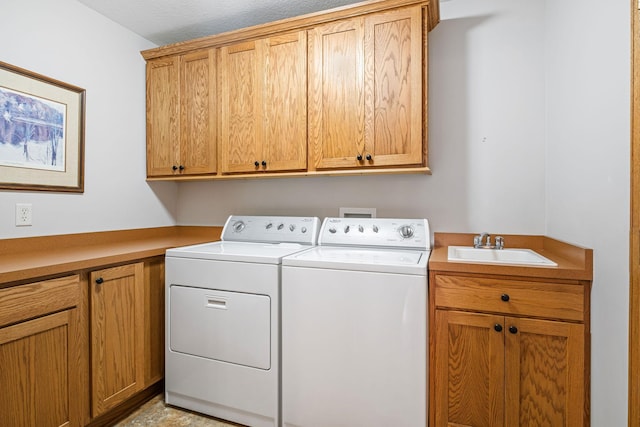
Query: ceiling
x=169, y=21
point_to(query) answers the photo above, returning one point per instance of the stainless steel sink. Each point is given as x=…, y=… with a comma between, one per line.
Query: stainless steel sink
x=498, y=256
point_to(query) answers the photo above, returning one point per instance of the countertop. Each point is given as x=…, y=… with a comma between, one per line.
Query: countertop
x=24, y=259
x=574, y=262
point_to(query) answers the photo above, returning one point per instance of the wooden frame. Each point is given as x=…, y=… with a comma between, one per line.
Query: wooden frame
x=634, y=238
x=41, y=132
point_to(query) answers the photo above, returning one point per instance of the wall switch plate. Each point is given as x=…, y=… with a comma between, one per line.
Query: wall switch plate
x=23, y=214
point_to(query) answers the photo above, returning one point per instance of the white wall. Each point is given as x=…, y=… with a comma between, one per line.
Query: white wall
x=588, y=122
x=66, y=41
x=486, y=131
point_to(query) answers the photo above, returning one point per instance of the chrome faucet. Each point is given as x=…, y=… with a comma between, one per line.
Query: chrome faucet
x=483, y=241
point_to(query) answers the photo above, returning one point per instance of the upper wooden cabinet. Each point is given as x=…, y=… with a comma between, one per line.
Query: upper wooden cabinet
x=366, y=91
x=181, y=114
x=264, y=104
x=335, y=92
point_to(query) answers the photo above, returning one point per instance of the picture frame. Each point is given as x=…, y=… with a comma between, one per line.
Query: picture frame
x=41, y=132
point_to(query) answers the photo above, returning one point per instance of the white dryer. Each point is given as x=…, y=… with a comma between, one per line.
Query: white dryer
x=222, y=351
x=354, y=326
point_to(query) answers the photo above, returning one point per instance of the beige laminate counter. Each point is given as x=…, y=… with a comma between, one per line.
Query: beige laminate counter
x=24, y=259
x=574, y=263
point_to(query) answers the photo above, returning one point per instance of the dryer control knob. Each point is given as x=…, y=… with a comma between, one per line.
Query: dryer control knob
x=375, y=229
x=361, y=229
x=292, y=227
x=238, y=226
x=268, y=226
x=280, y=226
x=332, y=230
x=347, y=228
x=406, y=231
x=303, y=229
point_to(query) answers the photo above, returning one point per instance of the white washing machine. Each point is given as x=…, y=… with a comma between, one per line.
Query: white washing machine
x=354, y=326
x=222, y=352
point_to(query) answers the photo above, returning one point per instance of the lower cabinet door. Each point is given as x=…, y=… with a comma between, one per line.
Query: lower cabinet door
x=544, y=373
x=37, y=372
x=469, y=369
x=117, y=335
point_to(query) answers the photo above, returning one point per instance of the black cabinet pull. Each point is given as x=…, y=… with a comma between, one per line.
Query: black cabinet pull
x=504, y=297
x=256, y=163
x=369, y=157
x=264, y=163
x=498, y=327
x=174, y=167
x=181, y=167
x=99, y=280
x=359, y=157
x=513, y=329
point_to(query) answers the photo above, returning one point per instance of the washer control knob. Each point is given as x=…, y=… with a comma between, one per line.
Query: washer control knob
x=361, y=229
x=332, y=230
x=347, y=228
x=292, y=227
x=269, y=226
x=375, y=229
x=303, y=229
x=406, y=231
x=238, y=226
x=280, y=226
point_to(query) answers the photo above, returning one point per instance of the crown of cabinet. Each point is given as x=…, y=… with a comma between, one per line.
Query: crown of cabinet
x=308, y=98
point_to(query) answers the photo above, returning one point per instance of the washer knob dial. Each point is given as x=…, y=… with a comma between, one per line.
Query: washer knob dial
x=268, y=226
x=292, y=227
x=280, y=226
x=406, y=231
x=361, y=229
x=238, y=226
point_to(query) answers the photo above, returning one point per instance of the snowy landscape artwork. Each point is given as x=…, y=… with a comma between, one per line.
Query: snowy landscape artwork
x=32, y=131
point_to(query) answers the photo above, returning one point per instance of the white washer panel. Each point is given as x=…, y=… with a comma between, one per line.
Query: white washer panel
x=209, y=323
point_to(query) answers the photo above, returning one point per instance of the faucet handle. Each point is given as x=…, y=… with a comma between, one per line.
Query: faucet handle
x=476, y=241
x=499, y=242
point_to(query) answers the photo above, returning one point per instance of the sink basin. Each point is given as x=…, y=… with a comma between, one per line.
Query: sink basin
x=498, y=256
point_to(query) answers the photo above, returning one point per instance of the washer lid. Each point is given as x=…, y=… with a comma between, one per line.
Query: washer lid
x=362, y=259
x=265, y=253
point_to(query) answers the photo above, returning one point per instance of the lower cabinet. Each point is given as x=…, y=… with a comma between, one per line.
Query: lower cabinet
x=117, y=335
x=495, y=364
x=39, y=354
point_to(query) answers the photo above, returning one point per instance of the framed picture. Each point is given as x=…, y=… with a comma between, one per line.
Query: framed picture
x=41, y=132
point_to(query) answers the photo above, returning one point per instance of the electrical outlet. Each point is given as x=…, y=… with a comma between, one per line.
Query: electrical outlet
x=23, y=214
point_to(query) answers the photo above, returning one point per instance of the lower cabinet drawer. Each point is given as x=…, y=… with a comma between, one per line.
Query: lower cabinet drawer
x=32, y=300
x=510, y=297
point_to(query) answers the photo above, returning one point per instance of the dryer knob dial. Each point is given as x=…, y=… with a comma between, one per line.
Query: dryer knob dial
x=406, y=231
x=303, y=229
x=292, y=227
x=375, y=228
x=347, y=228
x=238, y=226
x=361, y=229
x=269, y=226
x=280, y=226
x=332, y=230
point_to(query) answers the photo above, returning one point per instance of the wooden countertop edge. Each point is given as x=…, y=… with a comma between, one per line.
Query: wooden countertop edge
x=574, y=262
x=24, y=259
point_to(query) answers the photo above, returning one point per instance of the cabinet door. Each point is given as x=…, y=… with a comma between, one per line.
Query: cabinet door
x=241, y=109
x=198, y=113
x=285, y=102
x=38, y=370
x=544, y=373
x=154, y=320
x=163, y=116
x=117, y=335
x=469, y=369
x=366, y=91
x=336, y=95
x=393, y=88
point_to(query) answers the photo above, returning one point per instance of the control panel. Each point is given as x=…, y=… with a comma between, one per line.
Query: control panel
x=271, y=229
x=376, y=232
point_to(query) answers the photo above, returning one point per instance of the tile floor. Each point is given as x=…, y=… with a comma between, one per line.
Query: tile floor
x=156, y=413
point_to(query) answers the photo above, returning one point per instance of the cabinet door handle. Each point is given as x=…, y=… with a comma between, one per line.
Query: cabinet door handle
x=513, y=329
x=504, y=297
x=99, y=280
x=369, y=157
x=174, y=167
x=181, y=167
x=264, y=163
x=359, y=157
x=256, y=163
x=498, y=327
